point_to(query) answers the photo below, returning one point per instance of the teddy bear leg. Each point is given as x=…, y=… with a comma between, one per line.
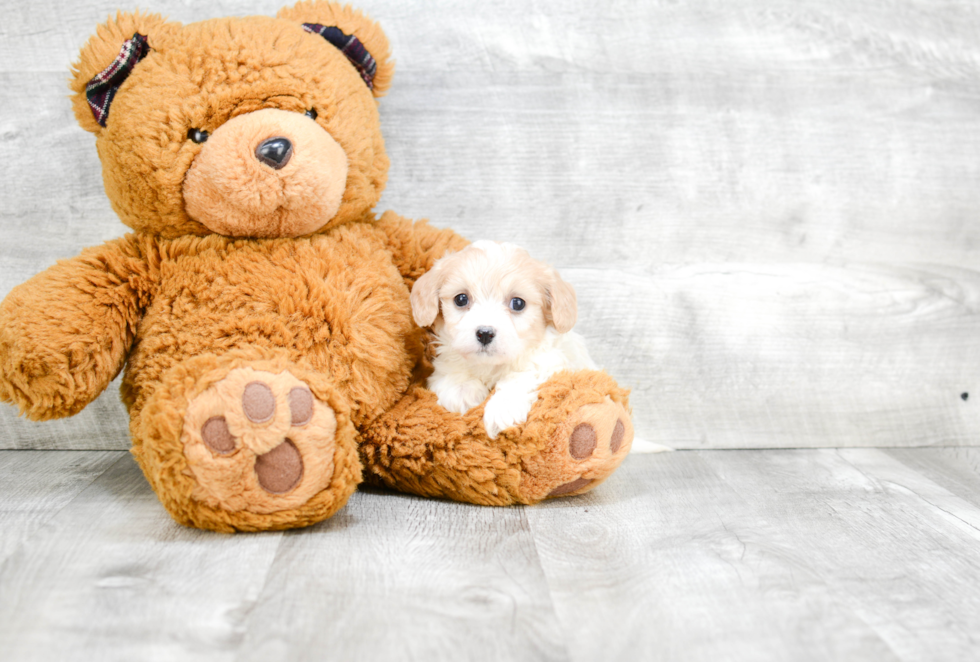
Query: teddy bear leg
x=576, y=435
x=248, y=441
x=582, y=423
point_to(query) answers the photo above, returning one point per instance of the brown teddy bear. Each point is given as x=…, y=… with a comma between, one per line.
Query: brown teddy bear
x=260, y=308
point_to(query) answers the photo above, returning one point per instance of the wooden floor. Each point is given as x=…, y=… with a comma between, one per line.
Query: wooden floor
x=694, y=555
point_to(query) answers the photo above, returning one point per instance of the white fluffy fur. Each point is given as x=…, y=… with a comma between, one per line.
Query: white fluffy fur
x=528, y=346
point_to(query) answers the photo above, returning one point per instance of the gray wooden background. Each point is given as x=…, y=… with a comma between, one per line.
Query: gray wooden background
x=769, y=209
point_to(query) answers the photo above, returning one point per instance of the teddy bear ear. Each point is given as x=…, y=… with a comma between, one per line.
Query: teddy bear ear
x=107, y=59
x=353, y=33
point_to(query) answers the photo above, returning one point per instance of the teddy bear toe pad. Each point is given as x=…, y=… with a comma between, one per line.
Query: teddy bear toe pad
x=258, y=441
x=584, y=450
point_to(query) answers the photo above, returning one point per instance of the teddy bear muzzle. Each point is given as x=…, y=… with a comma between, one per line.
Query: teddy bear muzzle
x=268, y=173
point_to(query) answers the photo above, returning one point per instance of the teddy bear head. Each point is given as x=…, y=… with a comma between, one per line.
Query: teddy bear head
x=244, y=127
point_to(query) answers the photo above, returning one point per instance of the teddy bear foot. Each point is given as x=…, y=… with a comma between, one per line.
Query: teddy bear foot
x=584, y=450
x=259, y=442
x=247, y=442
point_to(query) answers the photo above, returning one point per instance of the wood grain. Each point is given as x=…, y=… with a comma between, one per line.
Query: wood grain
x=768, y=208
x=955, y=469
x=399, y=577
x=667, y=562
x=880, y=535
x=829, y=554
x=793, y=355
x=112, y=576
x=36, y=485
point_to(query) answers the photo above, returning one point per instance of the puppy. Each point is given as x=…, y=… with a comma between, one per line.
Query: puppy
x=501, y=320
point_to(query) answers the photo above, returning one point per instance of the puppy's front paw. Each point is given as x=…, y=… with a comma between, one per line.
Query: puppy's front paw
x=460, y=398
x=505, y=410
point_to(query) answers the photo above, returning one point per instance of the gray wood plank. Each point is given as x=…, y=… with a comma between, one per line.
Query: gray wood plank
x=36, y=485
x=399, y=577
x=797, y=355
x=896, y=475
x=738, y=555
x=880, y=535
x=955, y=469
x=112, y=577
x=665, y=561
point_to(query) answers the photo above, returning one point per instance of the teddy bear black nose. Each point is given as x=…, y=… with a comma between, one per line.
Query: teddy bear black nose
x=485, y=335
x=274, y=152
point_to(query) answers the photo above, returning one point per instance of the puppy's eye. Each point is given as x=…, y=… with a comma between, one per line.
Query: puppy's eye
x=311, y=113
x=197, y=135
x=461, y=300
x=517, y=305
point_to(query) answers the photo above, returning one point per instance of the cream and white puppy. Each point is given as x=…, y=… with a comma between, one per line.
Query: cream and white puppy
x=502, y=320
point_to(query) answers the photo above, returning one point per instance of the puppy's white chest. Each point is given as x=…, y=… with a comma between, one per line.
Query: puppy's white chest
x=462, y=385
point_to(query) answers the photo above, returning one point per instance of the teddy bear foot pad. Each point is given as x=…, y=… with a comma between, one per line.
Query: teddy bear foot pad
x=583, y=451
x=259, y=441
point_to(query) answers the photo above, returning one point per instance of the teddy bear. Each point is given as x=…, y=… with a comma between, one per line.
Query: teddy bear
x=260, y=307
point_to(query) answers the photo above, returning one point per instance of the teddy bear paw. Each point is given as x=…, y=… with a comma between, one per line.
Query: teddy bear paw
x=584, y=450
x=258, y=441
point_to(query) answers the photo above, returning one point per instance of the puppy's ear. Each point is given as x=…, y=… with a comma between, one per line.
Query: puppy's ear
x=562, y=304
x=425, y=295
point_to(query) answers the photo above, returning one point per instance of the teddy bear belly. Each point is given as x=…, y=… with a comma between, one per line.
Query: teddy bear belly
x=339, y=307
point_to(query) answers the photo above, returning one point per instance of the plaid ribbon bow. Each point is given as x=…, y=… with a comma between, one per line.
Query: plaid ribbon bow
x=104, y=85
x=351, y=47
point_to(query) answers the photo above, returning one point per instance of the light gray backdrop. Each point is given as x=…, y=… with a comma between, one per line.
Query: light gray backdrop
x=769, y=209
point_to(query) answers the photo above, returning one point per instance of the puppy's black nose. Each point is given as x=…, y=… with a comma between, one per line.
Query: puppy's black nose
x=274, y=152
x=485, y=334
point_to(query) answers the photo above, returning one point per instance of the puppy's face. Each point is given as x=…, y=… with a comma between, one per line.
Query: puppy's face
x=491, y=302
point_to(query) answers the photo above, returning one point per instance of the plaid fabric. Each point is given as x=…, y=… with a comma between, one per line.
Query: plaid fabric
x=350, y=46
x=103, y=86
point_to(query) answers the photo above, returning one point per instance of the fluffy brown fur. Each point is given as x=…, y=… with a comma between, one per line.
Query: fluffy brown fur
x=199, y=313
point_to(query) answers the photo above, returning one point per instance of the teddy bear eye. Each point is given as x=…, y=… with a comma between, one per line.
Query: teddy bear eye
x=517, y=305
x=197, y=135
x=461, y=300
x=311, y=113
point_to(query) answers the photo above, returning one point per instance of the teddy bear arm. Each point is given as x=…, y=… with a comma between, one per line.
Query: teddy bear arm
x=415, y=246
x=65, y=333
